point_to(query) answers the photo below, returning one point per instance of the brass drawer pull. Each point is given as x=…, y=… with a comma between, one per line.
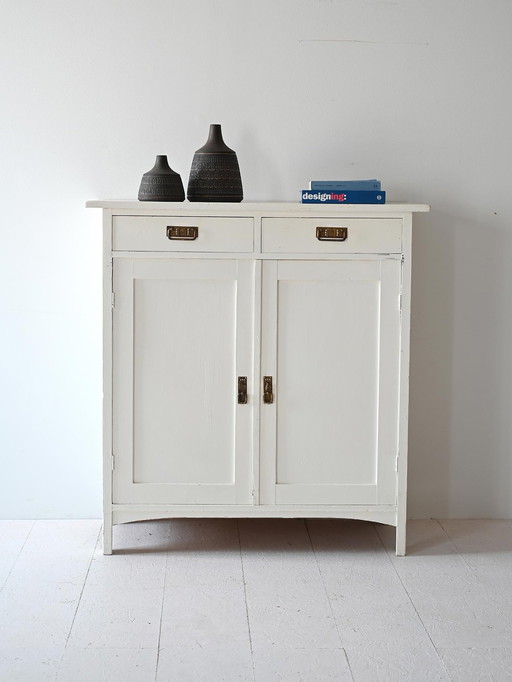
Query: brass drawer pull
x=242, y=390
x=185, y=232
x=268, y=391
x=332, y=234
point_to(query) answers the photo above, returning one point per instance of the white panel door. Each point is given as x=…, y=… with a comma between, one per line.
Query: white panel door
x=331, y=342
x=183, y=333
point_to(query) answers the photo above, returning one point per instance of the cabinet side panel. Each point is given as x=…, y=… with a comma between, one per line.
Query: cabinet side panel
x=107, y=382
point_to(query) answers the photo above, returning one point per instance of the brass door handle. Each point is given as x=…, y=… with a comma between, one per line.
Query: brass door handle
x=268, y=391
x=242, y=390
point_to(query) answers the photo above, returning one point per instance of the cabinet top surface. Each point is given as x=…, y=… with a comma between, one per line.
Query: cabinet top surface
x=251, y=208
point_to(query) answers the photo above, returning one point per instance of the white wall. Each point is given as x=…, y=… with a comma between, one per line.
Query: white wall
x=416, y=92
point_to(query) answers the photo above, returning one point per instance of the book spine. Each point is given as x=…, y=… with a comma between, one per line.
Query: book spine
x=341, y=185
x=349, y=197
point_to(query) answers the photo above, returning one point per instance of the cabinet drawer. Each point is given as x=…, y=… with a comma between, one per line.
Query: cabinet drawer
x=205, y=234
x=354, y=235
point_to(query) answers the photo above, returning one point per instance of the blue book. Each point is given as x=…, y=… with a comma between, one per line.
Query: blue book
x=354, y=185
x=311, y=197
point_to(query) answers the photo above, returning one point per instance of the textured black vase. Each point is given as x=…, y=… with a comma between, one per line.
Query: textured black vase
x=161, y=183
x=215, y=174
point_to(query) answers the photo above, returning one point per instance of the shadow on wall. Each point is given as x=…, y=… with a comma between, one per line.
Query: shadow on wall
x=461, y=371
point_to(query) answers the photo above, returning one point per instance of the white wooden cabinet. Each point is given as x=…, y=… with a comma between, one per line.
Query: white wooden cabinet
x=256, y=361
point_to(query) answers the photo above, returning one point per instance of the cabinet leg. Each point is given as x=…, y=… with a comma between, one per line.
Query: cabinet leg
x=401, y=538
x=107, y=534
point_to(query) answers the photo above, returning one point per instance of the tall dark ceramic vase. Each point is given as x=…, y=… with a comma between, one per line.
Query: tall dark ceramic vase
x=215, y=174
x=161, y=183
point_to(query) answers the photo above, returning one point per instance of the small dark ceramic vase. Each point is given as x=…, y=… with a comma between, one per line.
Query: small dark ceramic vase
x=215, y=174
x=161, y=183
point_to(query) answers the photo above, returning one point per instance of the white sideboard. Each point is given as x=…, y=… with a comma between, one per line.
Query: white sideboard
x=256, y=361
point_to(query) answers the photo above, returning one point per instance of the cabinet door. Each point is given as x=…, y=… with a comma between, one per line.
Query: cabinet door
x=331, y=342
x=183, y=333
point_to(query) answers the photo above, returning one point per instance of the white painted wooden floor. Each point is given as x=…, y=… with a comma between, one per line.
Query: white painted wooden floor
x=259, y=599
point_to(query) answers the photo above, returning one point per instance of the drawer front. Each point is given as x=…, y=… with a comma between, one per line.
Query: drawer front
x=156, y=233
x=348, y=235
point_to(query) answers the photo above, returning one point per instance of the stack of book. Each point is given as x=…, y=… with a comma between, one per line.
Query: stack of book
x=343, y=192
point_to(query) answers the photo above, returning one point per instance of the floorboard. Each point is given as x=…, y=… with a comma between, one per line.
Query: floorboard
x=255, y=600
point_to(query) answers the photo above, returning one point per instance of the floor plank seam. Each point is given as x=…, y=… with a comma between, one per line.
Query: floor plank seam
x=412, y=602
x=456, y=549
x=327, y=597
x=18, y=555
x=163, y=603
x=78, y=602
x=245, y=598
